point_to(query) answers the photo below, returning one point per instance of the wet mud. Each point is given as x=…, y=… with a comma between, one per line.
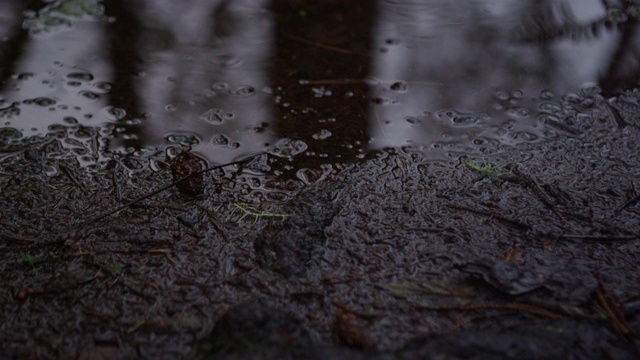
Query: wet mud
x=525, y=251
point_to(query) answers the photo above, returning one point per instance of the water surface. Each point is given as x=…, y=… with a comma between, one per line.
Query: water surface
x=314, y=85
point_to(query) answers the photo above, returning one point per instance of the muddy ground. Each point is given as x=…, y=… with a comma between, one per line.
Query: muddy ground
x=501, y=251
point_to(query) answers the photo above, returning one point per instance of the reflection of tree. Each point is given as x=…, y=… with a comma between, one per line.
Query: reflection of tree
x=322, y=55
x=492, y=60
x=124, y=53
x=11, y=48
x=554, y=21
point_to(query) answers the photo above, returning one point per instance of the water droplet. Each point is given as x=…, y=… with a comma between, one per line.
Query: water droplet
x=74, y=83
x=519, y=112
x=89, y=95
x=517, y=94
x=399, y=86
x=322, y=134
x=170, y=107
x=220, y=86
x=44, y=101
x=114, y=113
x=103, y=86
x=57, y=127
x=183, y=139
x=86, y=132
x=70, y=120
x=226, y=61
x=25, y=76
x=214, y=116
x=414, y=121
x=288, y=147
x=456, y=118
x=244, y=91
x=546, y=94
x=220, y=140
x=502, y=95
x=82, y=76
x=549, y=108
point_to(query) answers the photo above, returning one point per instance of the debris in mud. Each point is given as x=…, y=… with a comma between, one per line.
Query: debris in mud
x=543, y=340
x=351, y=331
x=291, y=246
x=256, y=326
x=570, y=282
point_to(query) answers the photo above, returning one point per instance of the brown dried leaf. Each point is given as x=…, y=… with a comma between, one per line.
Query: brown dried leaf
x=351, y=331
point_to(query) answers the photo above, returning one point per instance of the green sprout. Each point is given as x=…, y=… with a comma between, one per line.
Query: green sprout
x=487, y=169
x=29, y=261
x=256, y=214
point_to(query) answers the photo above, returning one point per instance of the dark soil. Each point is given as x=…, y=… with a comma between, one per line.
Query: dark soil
x=529, y=251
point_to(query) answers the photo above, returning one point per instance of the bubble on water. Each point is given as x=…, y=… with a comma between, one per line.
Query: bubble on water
x=182, y=139
x=549, y=108
x=44, y=101
x=74, y=83
x=86, y=132
x=457, y=118
x=70, y=120
x=114, y=113
x=216, y=116
x=287, y=147
x=226, y=60
x=322, y=134
x=25, y=76
x=546, y=94
x=103, y=86
x=170, y=107
x=89, y=95
x=502, y=95
x=572, y=98
x=82, y=76
x=244, y=91
x=517, y=94
x=414, y=121
x=56, y=127
x=220, y=86
x=220, y=140
x=400, y=86
x=518, y=112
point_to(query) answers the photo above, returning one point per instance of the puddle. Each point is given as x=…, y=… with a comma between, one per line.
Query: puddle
x=312, y=85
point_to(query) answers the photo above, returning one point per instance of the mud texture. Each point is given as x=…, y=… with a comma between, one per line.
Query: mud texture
x=515, y=252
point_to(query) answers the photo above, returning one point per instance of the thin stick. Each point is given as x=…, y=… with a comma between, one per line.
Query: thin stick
x=146, y=196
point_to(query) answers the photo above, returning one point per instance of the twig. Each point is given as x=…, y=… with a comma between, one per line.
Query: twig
x=613, y=311
x=148, y=195
x=210, y=216
x=627, y=204
x=527, y=181
x=491, y=215
x=321, y=45
x=532, y=309
x=603, y=238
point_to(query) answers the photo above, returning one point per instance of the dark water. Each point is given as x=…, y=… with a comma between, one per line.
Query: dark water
x=313, y=84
